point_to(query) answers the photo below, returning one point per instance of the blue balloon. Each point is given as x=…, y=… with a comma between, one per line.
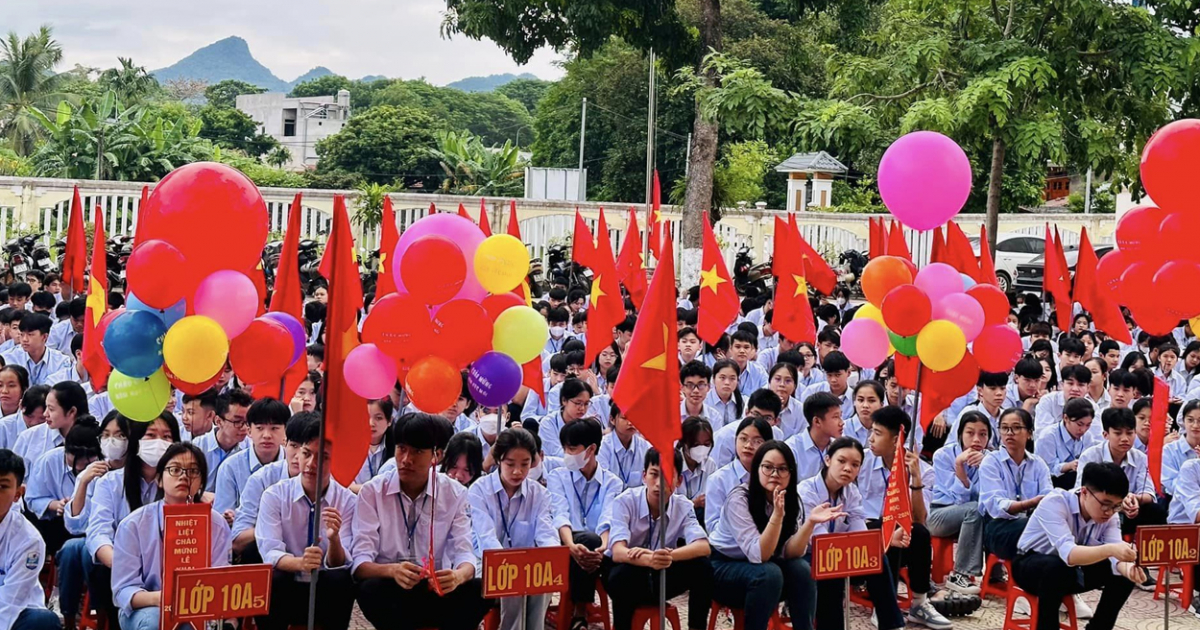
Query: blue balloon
x=134, y=343
x=168, y=316
x=968, y=281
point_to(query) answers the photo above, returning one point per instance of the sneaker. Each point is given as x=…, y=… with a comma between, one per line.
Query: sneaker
x=955, y=604
x=1082, y=610
x=1149, y=584
x=1021, y=607
x=1196, y=608
x=960, y=583
x=926, y=615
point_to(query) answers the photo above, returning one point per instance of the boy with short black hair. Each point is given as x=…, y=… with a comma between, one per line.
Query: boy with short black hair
x=557, y=320
x=695, y=379
x=22, y=555
x=263, y=478
x=1110, y=351
x=18, y=295
x=742, y=347
x=229, y=436
x=267, y=419
x=1075, y=380
x=1026, y=389
x=991, y=388
x=689, y=345
x=1140, y=506
x=199, y=415
x=43, y=302
x=1122, y=389
x=316, y=357
x=829, y=340
x=1070, y=352
x=1061, y=446
x=823, y=411
x=32, y=353
x=837, y=369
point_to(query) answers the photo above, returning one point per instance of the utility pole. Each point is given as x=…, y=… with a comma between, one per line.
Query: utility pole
x=1087, y=193
x=650, y=132
x=582, y=136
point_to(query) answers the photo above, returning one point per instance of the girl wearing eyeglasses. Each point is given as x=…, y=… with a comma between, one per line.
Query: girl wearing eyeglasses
x=1012, y=481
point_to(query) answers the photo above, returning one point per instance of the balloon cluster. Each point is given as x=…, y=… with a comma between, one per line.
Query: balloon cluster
x=455, y=308
x=1156, y=267
x=190, y=305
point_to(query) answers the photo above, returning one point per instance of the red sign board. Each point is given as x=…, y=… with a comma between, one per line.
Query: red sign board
x=1168, y=545
x=222, y=592
x=187, y=544
x=847, y=555
x=517, y=572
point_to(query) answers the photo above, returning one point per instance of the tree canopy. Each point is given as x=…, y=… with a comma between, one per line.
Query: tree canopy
x=384, y=145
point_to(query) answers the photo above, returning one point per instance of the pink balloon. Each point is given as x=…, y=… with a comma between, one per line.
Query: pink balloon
x=963, y=311
x=865, y=342
x=924, y=179
x=997, y=348
x=938, y=280
x=229, y=298
x=370, y=372
x=464, y=233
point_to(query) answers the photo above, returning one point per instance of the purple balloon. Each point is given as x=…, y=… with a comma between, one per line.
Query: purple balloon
x=295, y=329
x=924, y=179
x=493, y=379
x=464, y=233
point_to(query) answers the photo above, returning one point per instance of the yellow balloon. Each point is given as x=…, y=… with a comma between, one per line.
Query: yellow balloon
x=141, y=399
x=521, y=333
x=870, y=311
x=941, y=345
x=501, y=263
x=195, y=348
x=1195, y=325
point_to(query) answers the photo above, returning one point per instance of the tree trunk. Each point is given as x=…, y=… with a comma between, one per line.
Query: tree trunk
x=703, y=156
x=993, y=196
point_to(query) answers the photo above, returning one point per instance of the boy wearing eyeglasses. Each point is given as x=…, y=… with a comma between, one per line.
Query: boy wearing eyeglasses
x=1140, y=505
x=694, y=379
x=1062, y=446
x=229, y=437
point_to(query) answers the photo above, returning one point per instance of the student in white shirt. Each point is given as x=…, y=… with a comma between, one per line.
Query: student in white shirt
x=868, y=397
x=30, y=413
x=1140, y=506
x=379, y=415
x=954, y=509
x=229, y=434
x=1060, y=446
x=750, y=434
x=644, y=540
x=724, y=396
x=695, y=379
x=689, y=345
x=695, y=445
x=199, y=415
x=14, y=381
x=1012, y=481
x=22, y=555
x=463, y=459
x=65, y=402
x=245, y=547
x=32, y=353
x=762, y=404
x=573, y=401
x=742, y=346
x=1073, y=545
x=1075, y=379
x=837, y=370
x=1185, y=509
x=623, y=450
x=824, y=413
x=266, y=418
x=781, y=379
x=1168, y=357
x=1186, y=448
x=760, y=541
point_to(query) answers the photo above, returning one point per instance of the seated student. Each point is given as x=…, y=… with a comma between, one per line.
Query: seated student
x=751, y=433
x=305, y=398
x=1185, y=509
x=695, y=444
x=1098, y=387
x=1140, y=506
x=1070, y=352
x=622, y=449
x=1122, y=389
x=463, y=459
x=574, y=399
x=835, y=486
x=762, y=404
x=10, y=326
x=1168, y=357
x=64, y=403
x=636, y=531
x=751, y=376
x=43, y=303
x=64, y=331
x=245, y=548
x=868, y=397
x=1075, y=379
x=718, y=351
x=689, y=345
x=315, y=356
x=1061, y=446
x=22, y=555
x=781, y=379
x=75, y=371
x=824, y=414
x=1110, y=351
x=725, y=397
x=32, y=353
x=138, y=546
x=285, y=539
x=488, y=421
x=606, y=362
x=1025, y=390
x=760, y=541
x=1073, y=545
x=907, y=549
x=1012, y=481
x=581, y=495
x=229, y=434
x=509, y=510
x=30, y=413
x=990, y=392
x=379, y=413
x=694, y=379
x=267, y=418
x=954, y=506
x=579, y=326
x=1186, y=447
x=397, y=514
x=837, y=381
x=772, y=347
x=52, y=482
x=534, y=407
x=556, y=320
x=199, y=415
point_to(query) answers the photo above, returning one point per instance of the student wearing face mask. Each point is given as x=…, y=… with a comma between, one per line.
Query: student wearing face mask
x=487, y=429
x=695, y=444
x=557, y=320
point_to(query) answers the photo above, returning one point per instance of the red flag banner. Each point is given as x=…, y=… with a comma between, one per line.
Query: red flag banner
x=583, y=244
x=959, y=253
x=1062, y=284
x=606, y=308
x=897, y=246
x=385, y=283
x=288, y=297
x=484, y=225
x=793, y=316
x=655, y=222
x=74, y=265
x=94, y=361
x=514, y=226
x=987, y=266
x=631, y=265
x=937, y=251
x=531, y=377
x=138, y=234
x=897, y=503
x=718, y=299
x=1159, y=419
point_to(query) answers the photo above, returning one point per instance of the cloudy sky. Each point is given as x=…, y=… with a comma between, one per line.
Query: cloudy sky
x=395, y=38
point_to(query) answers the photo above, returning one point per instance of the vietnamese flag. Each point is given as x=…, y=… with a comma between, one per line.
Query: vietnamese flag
x=514, y=227
x=897, y=502
x=937, y=251
x=897, y=246
x=819, y=273
x=1158, y=430
x=384, y=282
x=987, y=266
x=718, y=299
x=959, y=253
x=631, y=265
x=783, y=252
x=647, y=390
x=875, y=243
x=655, y=221
x=793, y=316
x=606, y=308
x=345, y=411
x=138, y=234
x=531, y=377
x=288, y=297
x=74, y=265
x=1057, y=281
x=93, y=359
x=484, y=226
x=583, y=245
x=1106, y=314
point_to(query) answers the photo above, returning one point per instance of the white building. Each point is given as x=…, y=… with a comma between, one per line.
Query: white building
x=804, y=168
x=298, y=123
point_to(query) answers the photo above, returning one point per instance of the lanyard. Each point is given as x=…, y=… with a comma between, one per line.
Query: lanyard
x=411, y=525
x=1018, y=475
x=584, y=512
x=620, y=456
x=372, y=465
x=1066, y=440
x=312, y=517
x=651, y=541
x=833, y=503
x=691, y=494
x=505, y=522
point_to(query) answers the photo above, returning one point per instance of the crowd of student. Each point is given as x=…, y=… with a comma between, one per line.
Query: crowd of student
x=781, y=442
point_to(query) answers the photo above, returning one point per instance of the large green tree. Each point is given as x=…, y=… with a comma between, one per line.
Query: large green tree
x=525, y=91
x=384, y=145
x=327, y=85
x=28, y=84
x=493, y=117
x=131, y=83
x=225, y=93
x=234, y=129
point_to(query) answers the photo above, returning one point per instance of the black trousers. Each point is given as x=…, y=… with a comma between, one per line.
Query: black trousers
x=630, y=586
x=387, y=606
x=1152, y=513
x=917, y=557
x=53, y=530
x=1050, y=579
x=583, y=583
x=100, y=590
x=1000, y=536
x=1066, y=480
x=289, y=600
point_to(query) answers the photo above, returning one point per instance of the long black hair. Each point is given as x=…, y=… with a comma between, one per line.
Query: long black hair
x=970, y=416
x=175, y=450
x=389, y=440
x=133, y=461
x=837, y=445
x=759, y=499
x=738, y=403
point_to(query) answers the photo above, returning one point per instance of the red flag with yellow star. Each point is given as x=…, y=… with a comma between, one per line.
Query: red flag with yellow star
x=385, y=283
x=656, y=220
x=583, y=245
x=514, y=227
x=718, y=298
x=93, y=359
x=484, y=225
x=647, y=390
x=349, y=435
x=75, y=258
x=288, y=297
x=793, y=316
x=631, y=266
x=606, y=308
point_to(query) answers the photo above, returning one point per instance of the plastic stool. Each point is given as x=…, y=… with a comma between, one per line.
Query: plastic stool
x=943, y=558
x=595, y=613
x=905, y=601
x=1182, y=590
x=644, y=614
x=491, y=621
x=739, y=622
x=1015, y=592
x=986, y=587
x=86, y=620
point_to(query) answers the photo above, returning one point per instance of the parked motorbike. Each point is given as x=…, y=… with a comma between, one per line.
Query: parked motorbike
x=577, y=276
x=850, y=268
x=20, y=253
x=750, y=279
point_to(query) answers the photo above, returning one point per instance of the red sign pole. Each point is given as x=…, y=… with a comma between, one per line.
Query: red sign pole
x=187, y=544
x=846, y=556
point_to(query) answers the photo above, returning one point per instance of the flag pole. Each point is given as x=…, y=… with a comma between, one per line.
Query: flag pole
x=662, y=544
x=912, y=435
x=316, y=523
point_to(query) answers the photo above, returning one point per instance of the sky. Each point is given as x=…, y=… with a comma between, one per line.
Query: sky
x=394, y=38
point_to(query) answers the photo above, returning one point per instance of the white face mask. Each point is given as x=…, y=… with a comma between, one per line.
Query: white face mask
x=699, y=454
x=575, y=462
x=151, y=450
x=113, y=448
x=558, y=331
x=535, y=472
x=841, y=301
x=489, y=424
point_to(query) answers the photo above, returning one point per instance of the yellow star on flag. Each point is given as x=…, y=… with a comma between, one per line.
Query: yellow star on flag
x=597, y=292
x=95, y=300
x=657, y=216
x=801, y=285
x=659, y=362
x=711, y=279
x=349, y=341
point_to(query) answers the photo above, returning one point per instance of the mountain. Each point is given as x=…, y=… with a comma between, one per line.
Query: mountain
x=229, y=58
x=488, y=83
x=315, y=73
x=372, y=77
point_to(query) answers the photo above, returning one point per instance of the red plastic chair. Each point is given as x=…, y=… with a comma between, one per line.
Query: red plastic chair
x=943, y=558
x=1010, y=623
x=739, y=622
x=986, y=587
x=86, y=620
x=596, y=613
x=644, y=614
x=1182, y=590
x=904, y=600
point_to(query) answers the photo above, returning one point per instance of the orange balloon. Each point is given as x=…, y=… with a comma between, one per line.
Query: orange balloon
x=883, y=274
x=433, y=384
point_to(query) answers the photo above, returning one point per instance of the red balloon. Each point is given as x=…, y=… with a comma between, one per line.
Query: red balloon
x=995, y=305
x=1154, y=322
x=1137, y=230
x=956, y=381
x=210, y=212
x=158, y=274
x=433, y=384
x=1179, y=279
x=1109, y=271
x=262, y=353
x=1169, y=163
x=463, y=331
x=399, y=325
x=1137, y=290
x=496, y=304
x=1177, y=234
x=191, y=389
x=997, y=348
x=906, y=310
x=433, y=269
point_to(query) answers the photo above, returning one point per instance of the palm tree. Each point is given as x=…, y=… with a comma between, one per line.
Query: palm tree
x=131, y=83
x=279, y=157
x=27, y=83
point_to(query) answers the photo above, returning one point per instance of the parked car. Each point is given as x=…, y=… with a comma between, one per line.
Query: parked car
x=1012, y=250
x=1030, y=275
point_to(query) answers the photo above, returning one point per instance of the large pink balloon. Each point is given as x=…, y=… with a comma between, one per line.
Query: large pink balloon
x=370, y=372
x=924, y=179
x=462, y=232
x=865, y=342
x=229, y=298
x=938, y=280
x=963, y=311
